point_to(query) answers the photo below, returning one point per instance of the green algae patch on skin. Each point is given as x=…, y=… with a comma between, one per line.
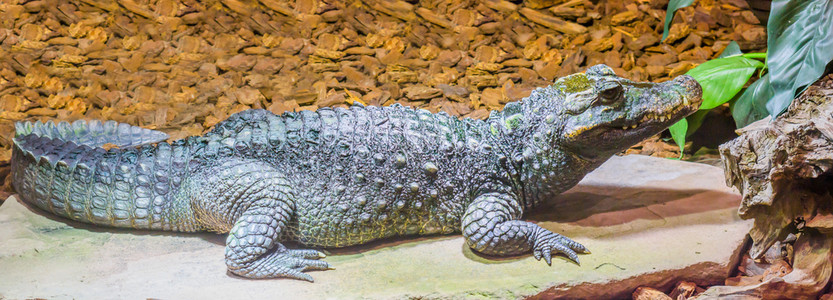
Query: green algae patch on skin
x=575, y=83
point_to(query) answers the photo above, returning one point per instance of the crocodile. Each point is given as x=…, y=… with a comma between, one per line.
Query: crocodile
x=338, y=177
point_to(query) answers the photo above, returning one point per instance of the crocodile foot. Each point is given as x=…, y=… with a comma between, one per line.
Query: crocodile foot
x=284, y=262
x=547, y=241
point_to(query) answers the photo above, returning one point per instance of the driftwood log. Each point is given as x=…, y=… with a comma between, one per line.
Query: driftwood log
x=784, y=169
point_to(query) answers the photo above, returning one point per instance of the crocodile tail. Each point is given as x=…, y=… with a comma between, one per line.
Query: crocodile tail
x=63, y=168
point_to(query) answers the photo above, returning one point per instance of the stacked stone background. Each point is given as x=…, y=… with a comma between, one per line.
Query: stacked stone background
x=181, y=66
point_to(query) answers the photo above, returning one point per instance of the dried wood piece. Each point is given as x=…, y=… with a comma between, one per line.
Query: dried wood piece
x=782, y=167
x=552, y=22
x=435, y=19
x=418, y=92
x=137, y=9
x=169, y=63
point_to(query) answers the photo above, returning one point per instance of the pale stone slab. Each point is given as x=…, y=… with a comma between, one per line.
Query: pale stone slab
x=648, y=221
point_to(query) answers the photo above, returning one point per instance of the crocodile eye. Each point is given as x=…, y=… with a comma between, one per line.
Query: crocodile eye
x=611, y=93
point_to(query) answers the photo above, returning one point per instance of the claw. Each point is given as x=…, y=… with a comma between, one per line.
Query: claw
x=548, y=256
x=548, y=242
x=579, y=247
x=310, y=264
x=295, y=274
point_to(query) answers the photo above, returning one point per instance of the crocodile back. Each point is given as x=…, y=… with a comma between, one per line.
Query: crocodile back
x=364, y=173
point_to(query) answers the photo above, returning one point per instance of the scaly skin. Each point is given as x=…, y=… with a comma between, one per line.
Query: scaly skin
x=341, y=177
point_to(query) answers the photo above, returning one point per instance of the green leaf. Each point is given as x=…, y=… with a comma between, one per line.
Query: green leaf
x=799, y=46
x=732, y=49
x=751, y=106
x=678, y=132
x=673, y=6
x=722, y=78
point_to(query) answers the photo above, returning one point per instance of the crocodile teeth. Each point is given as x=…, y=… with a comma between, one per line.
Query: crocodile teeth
x=662, y=119
x=685, y=101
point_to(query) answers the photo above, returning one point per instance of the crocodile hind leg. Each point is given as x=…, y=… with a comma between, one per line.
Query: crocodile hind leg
x=253, y=250
x=491, y=226
x=254, y=203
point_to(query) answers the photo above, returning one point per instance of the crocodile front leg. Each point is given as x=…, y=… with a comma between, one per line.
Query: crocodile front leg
x=491, y=226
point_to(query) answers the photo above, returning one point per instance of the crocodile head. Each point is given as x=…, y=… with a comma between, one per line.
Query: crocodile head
x=601, y=114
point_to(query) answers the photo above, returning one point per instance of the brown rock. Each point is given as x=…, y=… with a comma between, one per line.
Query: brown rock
x=240, y=63
x=699, y=54
x=657, y=60
x=463, y=17
x=517, y=63
x=486, y=54
x=691, y=41
x=457, y=93
x=517, y=93
x=755, y=35
x=40, y=111
x=267, y=65
x=292, y=46
x=569, y=11
x=680, y=68
x=683, y=290
x=246, y=96
x=624, y=17
x=399, y=74
x=535, y=49
x=329, y=54
x=656, y=71
x=419, y=92
x=448, y=58
x=493, y=98
x=600, y=45
x=549, y=71
x=644, y=40
x=613, y=60
x=359, y=51
x=677, y=32
x=647, y=293
x=332, y=98
x=11, y=103
x=14, y=116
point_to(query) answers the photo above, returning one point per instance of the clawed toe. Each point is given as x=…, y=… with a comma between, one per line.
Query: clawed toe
x=282, y=262
x=550, y=242
x=317, y=265
x=305, y=253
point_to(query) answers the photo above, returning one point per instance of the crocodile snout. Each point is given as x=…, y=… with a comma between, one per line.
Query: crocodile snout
x=690, y=90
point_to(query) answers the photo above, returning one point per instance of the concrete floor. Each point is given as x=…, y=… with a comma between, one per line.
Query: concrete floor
x=648, y=221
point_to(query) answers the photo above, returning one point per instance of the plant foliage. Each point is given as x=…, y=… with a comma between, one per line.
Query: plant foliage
x=799, y=47
x=721, y=79
x=673, y=6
